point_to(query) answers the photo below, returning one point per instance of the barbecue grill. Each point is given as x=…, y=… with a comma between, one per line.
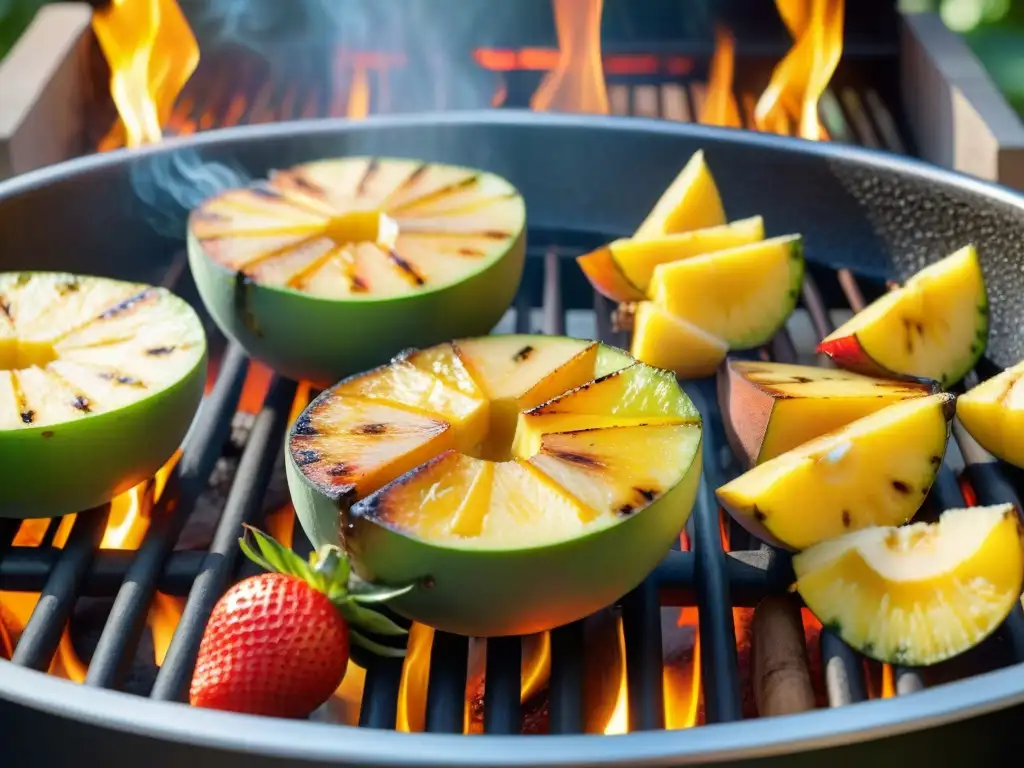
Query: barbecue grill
x=866, y=217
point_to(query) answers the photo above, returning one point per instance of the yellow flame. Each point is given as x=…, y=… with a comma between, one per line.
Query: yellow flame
x=152, y=53
x=720, y=104
x=576, y=83
x=618, y=721
x=359, y=93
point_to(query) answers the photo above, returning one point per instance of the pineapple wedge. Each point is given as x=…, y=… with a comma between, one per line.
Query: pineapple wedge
x=99, y=381
x=920, y=594
x=993, y=412
x=418, y=458
x=328, y=267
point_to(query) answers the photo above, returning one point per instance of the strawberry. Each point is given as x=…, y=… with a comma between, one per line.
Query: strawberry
x=278, y=643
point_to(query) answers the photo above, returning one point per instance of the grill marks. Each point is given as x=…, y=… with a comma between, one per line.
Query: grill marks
x=408, y=270
x=371, y=170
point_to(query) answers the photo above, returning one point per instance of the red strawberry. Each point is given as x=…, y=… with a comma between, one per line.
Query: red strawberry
x=277, y=644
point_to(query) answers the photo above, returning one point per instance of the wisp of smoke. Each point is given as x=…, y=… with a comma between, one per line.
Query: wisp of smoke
x=170, y=185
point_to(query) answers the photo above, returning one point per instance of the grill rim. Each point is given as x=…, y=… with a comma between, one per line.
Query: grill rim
x=960, y=700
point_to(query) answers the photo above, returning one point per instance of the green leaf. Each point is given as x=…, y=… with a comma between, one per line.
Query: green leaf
x=368, y=593
x=248, y=552
x=370, y=620
x=377, y=648
x=282, y=559
x=333, y=563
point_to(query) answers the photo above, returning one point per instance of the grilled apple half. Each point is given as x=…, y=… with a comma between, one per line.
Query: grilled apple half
x=331, y=267
x=920, y=594
x=935, y=326
x=420, y=482
x=771, y=408
x=874, y=471
x=741, y=295
x=99, y=380
x=993, y=412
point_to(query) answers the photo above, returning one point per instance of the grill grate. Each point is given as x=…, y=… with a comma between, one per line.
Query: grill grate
x=554, y=299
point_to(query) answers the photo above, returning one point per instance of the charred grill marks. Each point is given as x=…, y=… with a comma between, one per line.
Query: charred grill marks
x=580, y=459
x=81, y=403
x=159, y=351
x=27, y=417
x=128, y=304
x=900, y=487
x=306, y=456
x=523, y=354
x=370, y=429
x=303, y=426
x=371, y=170
x=407, y=269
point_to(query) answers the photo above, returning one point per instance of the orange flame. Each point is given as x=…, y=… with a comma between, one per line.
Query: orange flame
x=359, y=94
x=720, y=104
x=576, y=83
x=152, y=53
x=790, y=102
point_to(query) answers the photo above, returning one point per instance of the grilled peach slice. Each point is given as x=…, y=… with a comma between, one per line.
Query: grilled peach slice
x=993, y=412
x=874, y=471
x=99, y=381
x=771, y=408
x=934, y=327
x=742, y=295
x=333, y=266
x=505, y=545
x=634, y=259
x=920, y=594
x=669, y=342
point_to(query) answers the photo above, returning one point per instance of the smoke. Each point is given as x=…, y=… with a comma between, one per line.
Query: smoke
x=170, y=185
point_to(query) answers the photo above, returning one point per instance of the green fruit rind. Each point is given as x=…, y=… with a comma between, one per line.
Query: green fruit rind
x=322, y=340
x=77, y=465
x=493, y=593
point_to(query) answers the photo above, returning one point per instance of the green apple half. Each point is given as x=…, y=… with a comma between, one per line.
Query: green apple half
x=334, y=266
x=99, y=381
x=401, y=465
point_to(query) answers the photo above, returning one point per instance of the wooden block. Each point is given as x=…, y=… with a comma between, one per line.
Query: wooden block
x=957, y=114
x=44, y=87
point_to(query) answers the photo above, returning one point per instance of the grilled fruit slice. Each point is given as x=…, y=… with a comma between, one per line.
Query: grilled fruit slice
x=875, y=471
x=935, y=326
x=690, y=202
x=634, y=259
x=669, y=342
x=99, y=380
x=993, y=412
x=333, y=266
x=741, y=295
x=771, y=408
x=635, y=395
x=507, y=546
x=920, y=594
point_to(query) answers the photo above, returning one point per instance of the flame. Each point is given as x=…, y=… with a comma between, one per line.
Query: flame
x=618, y=721
x=720, y=104
x=790, y=102
x=152, y=53
x=359, y=94
x=576, y=83
x=888, y=681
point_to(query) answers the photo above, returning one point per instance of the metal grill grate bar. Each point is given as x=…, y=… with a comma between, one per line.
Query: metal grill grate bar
x=446, y=689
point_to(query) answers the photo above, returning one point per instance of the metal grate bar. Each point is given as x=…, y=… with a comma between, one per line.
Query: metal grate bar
x=641, y=626
x=502, y=686
x=46, y=625
x=446, y=687
x=201, y=450
x=243, y=503
x=379, y=707
x=565, y=687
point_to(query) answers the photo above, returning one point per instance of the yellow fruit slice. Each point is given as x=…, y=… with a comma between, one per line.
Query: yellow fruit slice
x=742, y=295
x=618, y=470
x=665, y=341
x=690, y=202
x=875, y=471
x=921, y=594
x=637, y=258
x=99, y=381
x=935, y=326
x=635, y=395
x=993, y=412
x=501, y=545
x=334, y=243
x=771, y=408
x=402, y=383
x=349, y=446
x=606, y=277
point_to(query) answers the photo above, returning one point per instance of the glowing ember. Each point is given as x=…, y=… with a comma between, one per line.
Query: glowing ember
x=152, y=53
x=576, y=83
x=789, y=105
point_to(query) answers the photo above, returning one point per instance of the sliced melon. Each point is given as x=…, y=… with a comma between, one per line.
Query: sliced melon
x=499, y=546
x=921, y=594
x=874, y=471
x=742, y=295
x=666, y=341
x=771, y=408
x=993, y=412
x=635, y=395
x=935, y=326
x=99, y=381
x=690, y=202
x=333, y=266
